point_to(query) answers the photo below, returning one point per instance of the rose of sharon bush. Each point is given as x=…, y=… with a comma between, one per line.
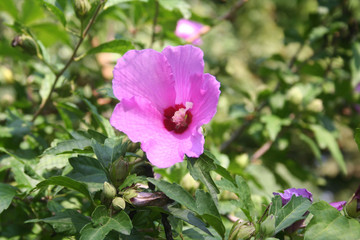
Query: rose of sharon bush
x=338, y=205
x=165, y=98
x=288, y=193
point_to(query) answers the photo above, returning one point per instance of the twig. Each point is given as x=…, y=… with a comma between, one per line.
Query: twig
x=154, y=23
x=231, y=13
x=59, y=74
x=167, y=226
x=261, y=151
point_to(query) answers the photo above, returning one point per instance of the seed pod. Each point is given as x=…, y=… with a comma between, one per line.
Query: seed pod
x=119, y=170
x=241, y=230
x=27, y=43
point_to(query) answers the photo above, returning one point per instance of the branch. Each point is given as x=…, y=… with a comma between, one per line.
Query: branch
x=59, y=74
x=231, y=13
x=154, y=23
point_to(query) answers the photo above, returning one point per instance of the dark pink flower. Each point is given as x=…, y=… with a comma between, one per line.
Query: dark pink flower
x=190, y=31
x=338, y=205
x=165, y=98
x=288, y=193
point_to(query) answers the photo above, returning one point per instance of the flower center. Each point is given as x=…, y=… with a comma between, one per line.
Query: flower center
x=178, y=118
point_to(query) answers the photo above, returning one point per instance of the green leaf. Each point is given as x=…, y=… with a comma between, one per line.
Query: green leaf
x=131, y=179
x=317, y=33
x=199, y=169
x=274, y=124
x=7, y=193
x=314, y=148
x=329, y=223
x=181, y=5
x=68, y=146
x=31, y=11
x=326, y=139
x=66, y=182
x=175, y=192
x=103, y=224
x=88, y=170
x=110, y=3
x=111, y=150
x=56, y=11
x=355, y=64
x=190, y=218
x=293, y=211
x=69, y=221
x=276, y=205
x=114, y=46
x=103, y=122
x=357, y=137
x=9, y=7
x=46, y=85
x=207, y=209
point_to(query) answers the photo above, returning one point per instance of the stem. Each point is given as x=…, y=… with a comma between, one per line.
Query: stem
x=231, y=13
x=59, y=74
x=154, y=23
x=167, y=226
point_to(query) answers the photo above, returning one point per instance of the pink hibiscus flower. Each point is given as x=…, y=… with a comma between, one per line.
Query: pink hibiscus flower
x=165, y=98
x=190, y=31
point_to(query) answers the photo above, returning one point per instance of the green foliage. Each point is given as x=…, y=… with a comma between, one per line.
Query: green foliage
x=288, y=116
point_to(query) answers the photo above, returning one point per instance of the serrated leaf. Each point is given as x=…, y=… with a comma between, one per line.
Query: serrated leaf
x=114, y=46
x=175, y=192
x=56, y=11
x=7, y=193
x=329, y=223
x=111, y=150
x=293, y=211
x=276, y=205
x=355, y=64
x=190, y=218
x=326, y=139
x=181, y=5
x=207, y=209
x=68, y=183
x=314, y=148
x=68, y=221
x=68, y=146
x=103, y=224
x=88, y=170
x=199, y=169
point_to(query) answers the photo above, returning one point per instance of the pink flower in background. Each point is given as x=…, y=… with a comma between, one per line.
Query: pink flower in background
x=190, y=31
x=165, y=98
x=338, y=205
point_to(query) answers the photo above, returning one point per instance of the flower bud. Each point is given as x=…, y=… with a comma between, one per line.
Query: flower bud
x=82, y=7
x=129, y=194
x=118, y=203
x=315, y=105
x=352, y=208
x=267, y=227
x=27, y=43
x=241, y=230
x=109, y=190
x=150, y=199
x=119, y=170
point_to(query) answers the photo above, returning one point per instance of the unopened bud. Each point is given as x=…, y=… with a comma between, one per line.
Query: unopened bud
x=315, y=105
x=142, y=199
x=118, y=203
x=267, y=227
x=26, y=43
x=82, y=7
x=109, y=190
x=129, y=194
x=352, y=208
x=241, y=230
x=119, y=170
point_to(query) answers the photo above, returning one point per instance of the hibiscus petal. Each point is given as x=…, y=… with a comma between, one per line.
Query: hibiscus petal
x=145, y=74
x=185, y=61
x=205, y=96
x=142, y=122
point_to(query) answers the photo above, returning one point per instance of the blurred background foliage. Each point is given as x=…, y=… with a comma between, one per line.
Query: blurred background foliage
x=290, y=101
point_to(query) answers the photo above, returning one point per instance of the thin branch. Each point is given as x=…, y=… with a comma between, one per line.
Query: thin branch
x=167, y=226
x=231, y=13
x=59, y=74
x=154, y=23
x=261, y=151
